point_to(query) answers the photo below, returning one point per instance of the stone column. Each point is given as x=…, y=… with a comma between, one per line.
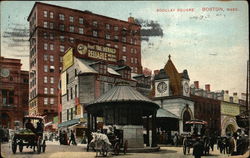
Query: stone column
x=147, y=128
x=154, y=129
x=180, y=126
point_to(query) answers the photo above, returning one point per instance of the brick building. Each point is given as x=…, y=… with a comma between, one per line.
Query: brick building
x=14, y=92
x=53, y=29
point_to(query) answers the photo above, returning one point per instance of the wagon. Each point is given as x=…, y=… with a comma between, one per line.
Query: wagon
x=27, y=137
x=117, y=142
x=198, y=133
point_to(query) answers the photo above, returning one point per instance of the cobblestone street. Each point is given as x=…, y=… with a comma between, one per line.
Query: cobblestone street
x=54, y=150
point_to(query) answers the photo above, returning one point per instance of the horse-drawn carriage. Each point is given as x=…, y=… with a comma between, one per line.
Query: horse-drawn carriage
x=198, y=128
x=29, y=137
x=113, y=142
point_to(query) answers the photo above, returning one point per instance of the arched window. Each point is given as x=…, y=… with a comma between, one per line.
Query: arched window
x=186, y=117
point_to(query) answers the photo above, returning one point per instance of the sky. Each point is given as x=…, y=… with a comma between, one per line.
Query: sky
x=208, y=38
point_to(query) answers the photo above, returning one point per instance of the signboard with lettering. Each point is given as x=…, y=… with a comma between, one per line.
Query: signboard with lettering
x=63, y=83
x=230, y=109
x=98, y=52
x=68, y=59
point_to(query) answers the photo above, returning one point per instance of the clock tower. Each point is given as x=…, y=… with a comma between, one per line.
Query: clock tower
x=161, y=84
x=185, y=84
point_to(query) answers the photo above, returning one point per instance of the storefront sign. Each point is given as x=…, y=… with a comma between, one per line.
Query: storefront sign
x=63, y=83
x=68, y=59
x=78, y=109
x=97, y=52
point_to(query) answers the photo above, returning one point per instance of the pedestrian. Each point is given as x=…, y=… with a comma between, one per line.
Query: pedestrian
x=198, y=149
x=72, y=138
x=176, y=139
x=60, y=137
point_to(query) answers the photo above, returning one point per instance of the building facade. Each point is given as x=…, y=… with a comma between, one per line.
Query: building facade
x=171, y=91
x=53, y=29
x=14, y=92
x=85, y=79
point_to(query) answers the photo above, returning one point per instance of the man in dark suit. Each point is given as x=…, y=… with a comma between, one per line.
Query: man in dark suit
x=198, y=149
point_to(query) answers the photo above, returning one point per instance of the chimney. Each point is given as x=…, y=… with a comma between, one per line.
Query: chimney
x=196, y=84
x=226, y=91
x=156, y=72
x=207, y=87
x=234, y=94
x=131, y=19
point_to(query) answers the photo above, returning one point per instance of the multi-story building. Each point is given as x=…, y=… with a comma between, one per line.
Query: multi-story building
x=14, y=92
x=53, y=29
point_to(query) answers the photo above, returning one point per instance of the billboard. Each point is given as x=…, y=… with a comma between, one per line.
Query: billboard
x=98, y=52
x=63, y=83
x=230, y=108
x=68, y=59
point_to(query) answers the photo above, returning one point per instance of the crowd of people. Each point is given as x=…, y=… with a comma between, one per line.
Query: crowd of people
x=64, y=139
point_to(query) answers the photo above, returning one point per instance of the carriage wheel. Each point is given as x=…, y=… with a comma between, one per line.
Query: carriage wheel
x=125, y=146
x=39, y=145
x=14, y=146
x=44, y=145
x=116, y=148
x=21, y=146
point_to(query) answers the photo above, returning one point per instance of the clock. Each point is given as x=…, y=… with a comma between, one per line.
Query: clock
x=162, y=87
x=5, y=72
x=82, y=49
x=186, y=87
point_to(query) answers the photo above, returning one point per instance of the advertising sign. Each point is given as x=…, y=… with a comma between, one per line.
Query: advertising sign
x=68, y=59
x=63, y=83
x=230, y=109
x=97, y=52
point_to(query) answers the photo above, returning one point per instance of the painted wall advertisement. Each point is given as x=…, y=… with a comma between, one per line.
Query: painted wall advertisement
x=230, y=109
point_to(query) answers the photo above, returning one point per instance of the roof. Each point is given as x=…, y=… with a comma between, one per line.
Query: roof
x=113, y=72
x=174, y=76
x=161, y=75
x=69, y=123
x=122, y=93
x=84, y=67
x=165, y=113
x=122, y=67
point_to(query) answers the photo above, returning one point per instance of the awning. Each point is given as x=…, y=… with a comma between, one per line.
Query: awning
x=201, y=122
x=165, y=113
x=69, y=123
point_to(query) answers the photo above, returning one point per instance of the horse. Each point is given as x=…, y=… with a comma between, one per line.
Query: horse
x=100, y=143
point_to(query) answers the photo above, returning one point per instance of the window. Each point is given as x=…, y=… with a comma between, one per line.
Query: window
x=116, y=28
x=135, y=42
x=51, y=58
x=51, y=90
x=135, y=69
x=62, y=48
x=51, y=46
x=95, y=23
x=95, y=34
x=136, y=61
x=45, y=24
x=61, y=16
x=51, y=36
x=108, y=44
x=107, y=36
x=123, y=48
x=71, y=39
x=61, y=59
x=71, y=19
x=80, y=20
x=45, y=14
x=45, y=90
x=52, y=68
x=132, y=60
x=61, y=27
x=52, y=100
x=45, y=68
x=71, y=28
x=131, y=41
x=75, y=90
x=132, y=50
x=45, y=57
x=135, y=51
x=51, y=25
x=107, y=26
x=45, y=79
x=116, y=46
x=116, y=38
x=67, y=95
x=62, y=38
x=51, y=15
x=51, y=80
x=45, y=35
x=132, y=69
x=45, y=101
x=71, y=93
x=80, y=30
x=123, y=39
x=45, y=46
x=124, y=58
